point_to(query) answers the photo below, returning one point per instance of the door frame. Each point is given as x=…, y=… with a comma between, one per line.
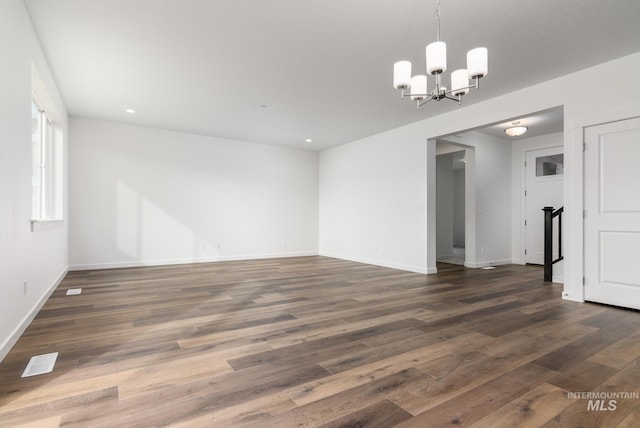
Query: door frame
x=469, y=199
x=524, y=147
x=525, y=196
x=574, y=198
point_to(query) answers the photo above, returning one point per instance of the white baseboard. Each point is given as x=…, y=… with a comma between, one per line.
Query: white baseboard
x=444, y=256
x=488, y=263
x=383, y=263
x=26, y=321
x=165, y=262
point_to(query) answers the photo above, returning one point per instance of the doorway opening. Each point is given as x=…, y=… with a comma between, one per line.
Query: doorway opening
x=495, y=181
x=544, y=187
x=451, y=206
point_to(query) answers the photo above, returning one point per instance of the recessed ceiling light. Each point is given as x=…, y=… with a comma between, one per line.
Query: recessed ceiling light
x=130, y=110
x=308, y=140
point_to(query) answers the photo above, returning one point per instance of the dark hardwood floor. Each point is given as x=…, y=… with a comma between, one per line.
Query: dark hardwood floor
x=315, y=341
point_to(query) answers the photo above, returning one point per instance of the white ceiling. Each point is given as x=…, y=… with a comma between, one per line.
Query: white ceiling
x=323, y=68
x=541, y=123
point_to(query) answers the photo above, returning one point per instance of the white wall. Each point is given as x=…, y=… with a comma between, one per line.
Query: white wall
x=40, y=256
x=143, y=196
x=492, y=181
x=398, y=157
x=372, y=202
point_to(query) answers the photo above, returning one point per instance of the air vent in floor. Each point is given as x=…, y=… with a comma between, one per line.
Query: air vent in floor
x=40, y=364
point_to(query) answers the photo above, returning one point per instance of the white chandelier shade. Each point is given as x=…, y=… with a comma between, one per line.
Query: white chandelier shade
x=436, y=53
x=477, y=62
x=459, y=82
x=418, y=87
x=436, y=64
x=402, y=75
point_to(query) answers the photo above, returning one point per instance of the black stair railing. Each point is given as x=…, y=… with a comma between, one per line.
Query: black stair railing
x=549, y=215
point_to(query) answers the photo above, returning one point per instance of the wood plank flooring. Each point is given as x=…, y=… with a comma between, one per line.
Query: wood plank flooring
x=315, y=341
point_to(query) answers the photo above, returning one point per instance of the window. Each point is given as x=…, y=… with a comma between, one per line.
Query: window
x=47, y=142
x=46, y=167
x=550, y=165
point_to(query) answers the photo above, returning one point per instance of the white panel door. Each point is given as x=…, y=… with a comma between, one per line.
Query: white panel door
x=612, y=218
x=544, y=172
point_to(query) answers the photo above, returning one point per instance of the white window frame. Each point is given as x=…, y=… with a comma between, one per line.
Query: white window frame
x=47, y=168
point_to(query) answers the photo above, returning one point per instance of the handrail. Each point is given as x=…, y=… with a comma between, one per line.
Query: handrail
x=549, y=215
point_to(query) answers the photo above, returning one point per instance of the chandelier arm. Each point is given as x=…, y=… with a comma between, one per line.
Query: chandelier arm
x=430, y=98
x=458, y=100
x=450, y=91
x=415, y=95
x=475, y=86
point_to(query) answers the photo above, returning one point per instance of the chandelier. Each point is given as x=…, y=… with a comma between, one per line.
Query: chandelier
x=436, y=54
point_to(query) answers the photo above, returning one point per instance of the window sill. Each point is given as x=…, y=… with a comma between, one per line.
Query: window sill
x=45, y=224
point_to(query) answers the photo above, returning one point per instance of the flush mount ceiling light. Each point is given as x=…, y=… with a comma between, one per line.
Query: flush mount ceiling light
x=516, y=130
x=130, y=110
x=436, y=53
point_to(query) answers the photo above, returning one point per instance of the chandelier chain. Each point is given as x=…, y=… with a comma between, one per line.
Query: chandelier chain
x=437, y=15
